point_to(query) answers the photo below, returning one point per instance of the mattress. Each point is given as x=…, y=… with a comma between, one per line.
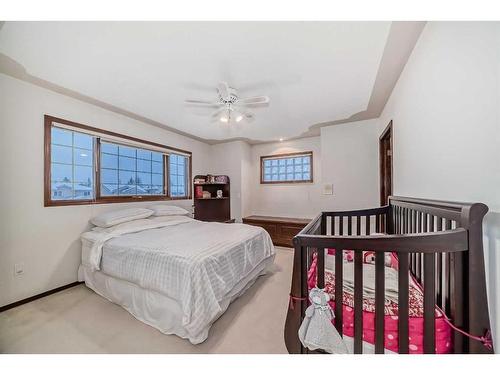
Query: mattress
x=198, y=265
x=416, y=303
x=155, y=309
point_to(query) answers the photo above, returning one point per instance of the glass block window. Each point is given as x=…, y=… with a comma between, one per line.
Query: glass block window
x=130, y=171
x=178, y=175
x=287, y=168
x=71, y=165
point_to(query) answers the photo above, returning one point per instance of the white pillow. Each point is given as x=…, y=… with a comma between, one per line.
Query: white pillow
x=128, y=224
x=168, y=210
x=108, y=219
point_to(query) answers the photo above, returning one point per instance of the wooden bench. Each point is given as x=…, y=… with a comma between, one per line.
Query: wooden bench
x=281, y=229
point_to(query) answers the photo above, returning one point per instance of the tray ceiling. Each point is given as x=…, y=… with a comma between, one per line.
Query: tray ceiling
x=313, y=72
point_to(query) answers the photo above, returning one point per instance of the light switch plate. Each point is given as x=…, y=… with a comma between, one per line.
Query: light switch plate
x=328, y=189
x=18, y=269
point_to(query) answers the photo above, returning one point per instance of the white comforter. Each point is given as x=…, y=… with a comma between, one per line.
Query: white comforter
x=195, y=263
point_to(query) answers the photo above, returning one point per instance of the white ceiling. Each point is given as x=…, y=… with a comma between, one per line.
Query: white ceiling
x=314, y=72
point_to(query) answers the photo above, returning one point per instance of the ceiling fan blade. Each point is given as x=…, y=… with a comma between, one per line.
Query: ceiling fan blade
x=223, y=89
x=254, y=100
x=202, y=103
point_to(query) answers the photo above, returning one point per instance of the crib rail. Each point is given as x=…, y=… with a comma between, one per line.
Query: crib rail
x=437, y=241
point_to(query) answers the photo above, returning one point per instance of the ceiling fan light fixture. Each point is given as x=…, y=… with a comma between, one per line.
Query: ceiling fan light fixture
x=228, y=101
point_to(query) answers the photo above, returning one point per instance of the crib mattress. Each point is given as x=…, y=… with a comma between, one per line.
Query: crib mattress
x=415, y=324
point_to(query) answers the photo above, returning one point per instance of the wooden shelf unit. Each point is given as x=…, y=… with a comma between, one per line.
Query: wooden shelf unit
x=212, y=209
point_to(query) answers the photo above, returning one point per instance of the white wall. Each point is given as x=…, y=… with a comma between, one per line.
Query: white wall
x=292, y=200
x=46, y=239
x=445, y=110
x=350, y=162
x=344, y=155
x=232, y=159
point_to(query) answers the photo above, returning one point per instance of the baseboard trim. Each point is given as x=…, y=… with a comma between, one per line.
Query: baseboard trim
x=38, y=296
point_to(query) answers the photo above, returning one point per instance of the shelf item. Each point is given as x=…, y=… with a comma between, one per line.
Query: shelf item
x=198, y=191
x=211, y=183
x=211, y=207
x=212, y=198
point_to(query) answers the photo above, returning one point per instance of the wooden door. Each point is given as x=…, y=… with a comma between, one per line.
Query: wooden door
x=386, y=155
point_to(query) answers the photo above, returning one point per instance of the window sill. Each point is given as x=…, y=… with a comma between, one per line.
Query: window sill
x=111, y=200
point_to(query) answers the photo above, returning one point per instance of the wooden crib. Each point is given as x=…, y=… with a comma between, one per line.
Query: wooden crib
x=439, y=242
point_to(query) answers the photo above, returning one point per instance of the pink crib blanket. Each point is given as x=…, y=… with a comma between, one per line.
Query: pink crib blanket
x=415, y=324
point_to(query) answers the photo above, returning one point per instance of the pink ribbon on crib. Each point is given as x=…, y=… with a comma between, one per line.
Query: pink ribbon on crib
x=486, y=339
x=295, y=298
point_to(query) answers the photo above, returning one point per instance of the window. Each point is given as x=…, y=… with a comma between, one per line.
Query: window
x=286, y=168
x=71, y=165
x=86, y=165
x=130, y=171
x=178, y=172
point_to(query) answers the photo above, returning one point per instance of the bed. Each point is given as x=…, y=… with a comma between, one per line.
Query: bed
x=408, y=277
x=175, y=273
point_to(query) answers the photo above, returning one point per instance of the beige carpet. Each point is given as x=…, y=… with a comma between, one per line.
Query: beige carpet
x=77, y=320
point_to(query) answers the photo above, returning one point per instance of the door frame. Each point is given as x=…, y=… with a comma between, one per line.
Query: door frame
x=388, y=131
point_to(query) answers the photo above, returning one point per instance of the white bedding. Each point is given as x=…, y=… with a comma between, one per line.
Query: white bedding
x=195, y=263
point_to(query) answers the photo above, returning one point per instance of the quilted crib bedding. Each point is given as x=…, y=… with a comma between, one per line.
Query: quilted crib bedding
x=416, y=308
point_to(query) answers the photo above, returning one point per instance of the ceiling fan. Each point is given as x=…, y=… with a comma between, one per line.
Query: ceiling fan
x=229, y=105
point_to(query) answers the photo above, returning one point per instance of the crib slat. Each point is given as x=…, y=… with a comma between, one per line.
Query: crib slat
x=341, y=225
x=418, y=266
x=403, y=303
x=410, y=220
x=446, y=286
x=358, y=225
x=396, y=219
x=429, y=304
x=458, y=300
x=439, y=223
x=349, y=225
x=358, y=302
x=447, y=270
x=413, y=221
x=399, y=220
x=332, y=225
x=377, y=223
x=439, y=279
x=303, y=282
x=339, y=290
x=405, y=221
x=320, y=271
x=379, y=302
x=367, y=225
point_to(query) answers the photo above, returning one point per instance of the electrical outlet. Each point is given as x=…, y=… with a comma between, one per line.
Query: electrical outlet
x=18, y=269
